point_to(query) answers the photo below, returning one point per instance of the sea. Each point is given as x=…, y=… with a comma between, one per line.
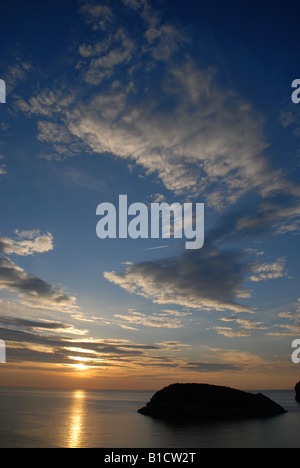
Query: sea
x=41, y=418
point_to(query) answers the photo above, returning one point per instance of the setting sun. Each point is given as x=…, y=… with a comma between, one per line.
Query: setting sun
x=80, y=367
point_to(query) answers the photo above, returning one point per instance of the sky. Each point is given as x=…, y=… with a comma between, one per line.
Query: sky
x=162, y=101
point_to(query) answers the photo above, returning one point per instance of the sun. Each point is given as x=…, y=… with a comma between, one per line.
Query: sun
x=80, y=367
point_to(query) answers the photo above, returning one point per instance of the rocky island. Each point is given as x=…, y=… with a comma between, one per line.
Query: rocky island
x=202, y=402
x=297, y=390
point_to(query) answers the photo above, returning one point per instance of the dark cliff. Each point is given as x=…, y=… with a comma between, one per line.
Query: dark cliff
x=200, y=402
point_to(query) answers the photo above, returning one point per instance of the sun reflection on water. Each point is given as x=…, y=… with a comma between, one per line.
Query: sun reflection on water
x=77, y=419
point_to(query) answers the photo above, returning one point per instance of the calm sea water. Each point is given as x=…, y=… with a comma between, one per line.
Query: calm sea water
x=34, y=418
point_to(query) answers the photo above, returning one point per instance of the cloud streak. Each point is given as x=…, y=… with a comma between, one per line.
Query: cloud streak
x=28, y=243
x=191, y=130
x=51, y=343
x=208, y=141
x=164, y=319
x=33, y=291
x=206, y=279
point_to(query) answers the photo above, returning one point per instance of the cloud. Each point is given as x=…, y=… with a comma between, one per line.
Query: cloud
x=39, y=325
x=211, y=367
x=293, y=327
x=289, y=117
x=44, y=342
x=134, y=319
x=157, y=320
x=176, y=313
x=49, y=342
x=153, y=104
x=28, y=243
x=164, y=40
x=81, y=178
x=52, y=343
x=16, y=74
x=245, y=359
x=47, y=103
x=2, y=167
x=105, y=58
x=246, y=327
x=33, y=291
x=270, y=215
x=230, y=333
x=206, y=279
x=212, y=281
x=49, y=131
x=208, y=141
x=134, y=4
x=36, y=347
x=98, y=15
x=173, y=345
x=286, y=330
x=160, y=110
x=278, y=215
x=266, y=271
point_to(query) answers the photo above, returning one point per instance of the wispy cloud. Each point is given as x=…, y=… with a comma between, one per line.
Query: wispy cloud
x=209, y=279
x=48, y=342
x=288, y=323
x=98, y=15
x=173, y=345
x=246, y=327
x=204, y=128
x=34, y=346
x=16, y=73
x=256, y=220
x=38, y=326
x=231, y=333
x=157, y=320
x=189, y=131
x=27, y=243
x=33, y=291
x=211, y=367
x=134, y=320
x=2, y=167
x=53, y=343
x=266, y=271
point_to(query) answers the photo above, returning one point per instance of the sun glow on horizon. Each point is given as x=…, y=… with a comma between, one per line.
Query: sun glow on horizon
x=80, y=367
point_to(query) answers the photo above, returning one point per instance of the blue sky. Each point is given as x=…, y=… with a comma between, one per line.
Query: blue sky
x=162, y=101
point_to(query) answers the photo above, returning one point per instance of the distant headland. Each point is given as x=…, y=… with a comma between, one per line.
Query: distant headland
x=202, y=402
x=297, y=390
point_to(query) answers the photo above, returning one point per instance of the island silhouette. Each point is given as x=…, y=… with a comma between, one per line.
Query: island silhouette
x=297, y=390
x=202, y=402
